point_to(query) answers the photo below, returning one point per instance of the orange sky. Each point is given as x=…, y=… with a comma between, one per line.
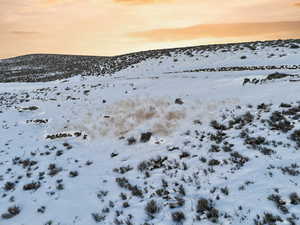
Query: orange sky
x=110, y=27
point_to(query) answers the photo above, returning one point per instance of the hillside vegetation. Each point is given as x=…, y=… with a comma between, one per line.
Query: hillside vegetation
x=201, y=135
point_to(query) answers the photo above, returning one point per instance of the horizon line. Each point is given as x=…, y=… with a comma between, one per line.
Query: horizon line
x=153, y=50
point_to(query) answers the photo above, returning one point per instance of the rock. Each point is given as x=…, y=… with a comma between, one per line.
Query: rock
x=112, y=155
x=246, y=80
x=179, y=101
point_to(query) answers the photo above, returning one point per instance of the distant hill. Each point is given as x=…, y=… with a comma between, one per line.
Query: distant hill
x=47, y=67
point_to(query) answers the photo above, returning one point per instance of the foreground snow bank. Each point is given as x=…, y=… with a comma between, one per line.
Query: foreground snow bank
x=147, y=149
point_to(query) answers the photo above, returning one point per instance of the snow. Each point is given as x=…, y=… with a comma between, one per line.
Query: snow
x=109, y=110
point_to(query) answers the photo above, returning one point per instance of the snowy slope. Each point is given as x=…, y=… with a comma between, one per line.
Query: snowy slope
x=219, y=152
x=47, y=67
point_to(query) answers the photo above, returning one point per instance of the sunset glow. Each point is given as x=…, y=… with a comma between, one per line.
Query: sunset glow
x=110, y=27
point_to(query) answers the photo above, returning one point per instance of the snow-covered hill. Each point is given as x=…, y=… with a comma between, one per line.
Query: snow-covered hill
x=228, y=57
x=179, y=137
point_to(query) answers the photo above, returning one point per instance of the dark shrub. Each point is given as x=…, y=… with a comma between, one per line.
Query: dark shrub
x=11, y=212
x=255, y=141
x=285, y=105
x=203, y=205
x=270, y=219
x=145, y=137
x=238, y=159
x=279, y=203
x=73, y=173
x=295, y=136
x=291, y=170
x=279, y=122
x=32, y=186
x=9, y=186
x=213, y=162
x=98, y=217
x=131, y=141
x=216, y=125
x=178, y=216
x=277, y=75
x=178, y=101
x=295, y=199
x=184, y=155
x=294, y=46
x=123, y=169
x=152, y=208
x=218, y=137
x=124, y=183
x=53, y=169
x=213, y=215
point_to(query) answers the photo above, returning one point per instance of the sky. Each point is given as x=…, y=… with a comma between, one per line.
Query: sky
x=113, y=27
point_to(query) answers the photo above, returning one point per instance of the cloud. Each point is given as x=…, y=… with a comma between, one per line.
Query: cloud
x=56, y=2
x=19, y=32
x=53, y=2
x=273, y=29
x=142, y=2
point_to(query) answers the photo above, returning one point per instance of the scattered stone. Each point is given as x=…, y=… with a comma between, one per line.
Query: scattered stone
x=178, y=101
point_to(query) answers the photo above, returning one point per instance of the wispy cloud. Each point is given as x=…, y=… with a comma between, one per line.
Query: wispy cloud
x=297, y=4
x=142, y=2
x=220, y=31
x=22, y=33
x=109, y=27
x=55, y=2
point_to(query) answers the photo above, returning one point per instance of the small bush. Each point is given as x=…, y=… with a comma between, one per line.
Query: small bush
x=123, y=169
x=291, y=170
x=213, y=215
x=178, y=216
x=53, y=170
x=295, y=199
x=213, y=162
x=179, y=203
x=218, y=137
x=152, y=208
x=270, y=219
x=42, y=209
x=98, y=217
x=279, y=122
x=131, y=141
x=279, y=203
x=285, y=105
x=9, y=186
x=238, y=159
x=295, y=136
x=216, y=125
x=11, y=212
x=124, y=183
x=73, y=173
x=225, y=190
x=254, y=142
x=276, y=75
x=32, y=186
x=145, y=137
x=126, y=205
x=203, y=205
x=184, y=155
